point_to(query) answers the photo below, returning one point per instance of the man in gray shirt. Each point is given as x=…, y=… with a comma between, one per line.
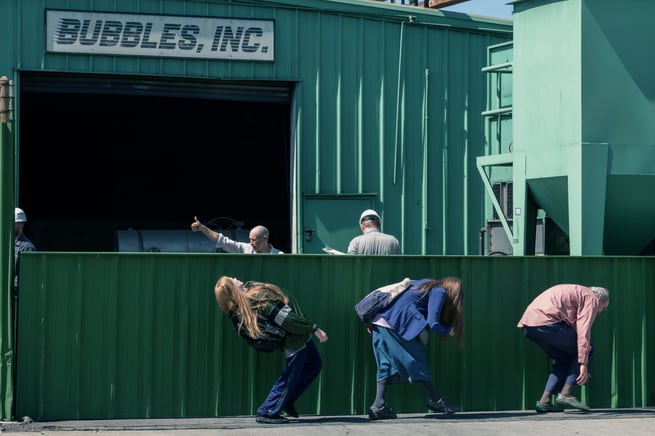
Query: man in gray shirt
x=372, y=240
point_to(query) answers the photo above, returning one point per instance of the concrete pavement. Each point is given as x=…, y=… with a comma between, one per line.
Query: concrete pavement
x=599, y=422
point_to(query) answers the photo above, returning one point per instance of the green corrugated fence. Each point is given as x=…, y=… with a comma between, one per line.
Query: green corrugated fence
x=139, y=335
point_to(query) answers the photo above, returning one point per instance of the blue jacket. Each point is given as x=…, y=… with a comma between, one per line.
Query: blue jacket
x=409, y=314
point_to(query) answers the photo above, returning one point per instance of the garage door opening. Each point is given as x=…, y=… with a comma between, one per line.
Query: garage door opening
x=97, y=155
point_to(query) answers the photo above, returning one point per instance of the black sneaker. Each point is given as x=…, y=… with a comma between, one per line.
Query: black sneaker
x=383, y=412
x=290, y=410
x=442, y=406
x=271, y=419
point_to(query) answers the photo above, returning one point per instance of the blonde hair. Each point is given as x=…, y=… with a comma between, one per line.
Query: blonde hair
x=232, y=299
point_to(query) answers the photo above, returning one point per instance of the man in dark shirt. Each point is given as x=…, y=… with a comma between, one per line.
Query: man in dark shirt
x=21, y=242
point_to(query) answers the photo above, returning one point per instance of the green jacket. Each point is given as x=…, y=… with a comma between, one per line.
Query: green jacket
x=299, y=328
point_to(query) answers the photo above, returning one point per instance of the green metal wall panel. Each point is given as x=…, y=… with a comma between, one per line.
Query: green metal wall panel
x=118, y=335
x=418, y=131
x=6, y=258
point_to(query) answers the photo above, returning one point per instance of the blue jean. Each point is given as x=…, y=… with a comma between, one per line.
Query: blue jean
x=560, y=342
x=300, y=371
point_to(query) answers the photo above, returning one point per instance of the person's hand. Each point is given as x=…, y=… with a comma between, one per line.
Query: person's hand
x=451, y=332
x=195, y=225
x=321, y=335
x=583, y=376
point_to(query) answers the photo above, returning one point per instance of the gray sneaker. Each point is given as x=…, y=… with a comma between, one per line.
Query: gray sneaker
x=384, y=412
x=442, y=406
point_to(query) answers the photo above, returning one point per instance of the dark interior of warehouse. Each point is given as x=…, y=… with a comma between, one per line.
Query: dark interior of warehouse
x=100, y=155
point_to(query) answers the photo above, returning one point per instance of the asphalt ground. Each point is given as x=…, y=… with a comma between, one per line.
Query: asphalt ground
x=598, y=422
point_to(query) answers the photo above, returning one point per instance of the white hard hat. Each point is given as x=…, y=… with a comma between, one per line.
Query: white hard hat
x=368, y=215
x=19, y=215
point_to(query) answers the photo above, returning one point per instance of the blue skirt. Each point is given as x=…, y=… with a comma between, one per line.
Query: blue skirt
x=399, y=360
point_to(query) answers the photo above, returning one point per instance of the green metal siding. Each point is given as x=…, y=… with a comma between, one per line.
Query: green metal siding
x=6, y=269
x=111, y=335
x=407, y=131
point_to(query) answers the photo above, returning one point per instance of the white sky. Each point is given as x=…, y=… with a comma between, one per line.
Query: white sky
x=488, y=8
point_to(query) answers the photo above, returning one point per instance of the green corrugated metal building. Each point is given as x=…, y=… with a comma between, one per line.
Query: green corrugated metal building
x=293, y=114
x=129, y=117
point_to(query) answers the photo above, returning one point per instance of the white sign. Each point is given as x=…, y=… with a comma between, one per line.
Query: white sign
x=159, y=35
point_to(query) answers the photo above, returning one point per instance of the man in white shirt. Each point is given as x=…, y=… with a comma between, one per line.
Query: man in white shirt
x=258, y=240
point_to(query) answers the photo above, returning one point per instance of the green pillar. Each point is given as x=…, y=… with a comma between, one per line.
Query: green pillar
x=587, y=197
x=7, y=156
x=520, y=204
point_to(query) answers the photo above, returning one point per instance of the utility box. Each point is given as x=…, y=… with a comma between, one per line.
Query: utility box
x=549, y=239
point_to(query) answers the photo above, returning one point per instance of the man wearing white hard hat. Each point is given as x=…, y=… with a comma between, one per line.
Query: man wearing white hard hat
x=372, y=240
x=21, y=242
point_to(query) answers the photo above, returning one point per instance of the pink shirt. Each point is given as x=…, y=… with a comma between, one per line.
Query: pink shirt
x=576, y=305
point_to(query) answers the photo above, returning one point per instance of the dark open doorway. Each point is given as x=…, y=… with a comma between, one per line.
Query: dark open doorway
x=101, y=154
